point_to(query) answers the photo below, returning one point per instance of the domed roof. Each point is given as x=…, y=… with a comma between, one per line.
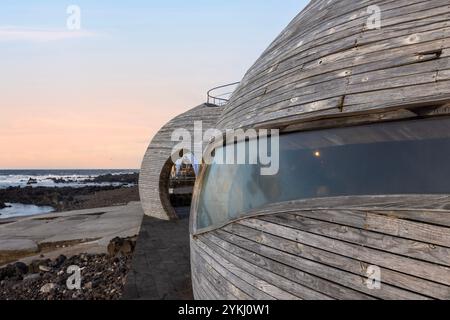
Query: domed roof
x=333, y=61
x=157, y=162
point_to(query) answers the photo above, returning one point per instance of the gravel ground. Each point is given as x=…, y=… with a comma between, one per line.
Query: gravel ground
x=102, y=276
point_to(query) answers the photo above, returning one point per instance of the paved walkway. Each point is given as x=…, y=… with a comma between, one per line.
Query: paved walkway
x=161, y=265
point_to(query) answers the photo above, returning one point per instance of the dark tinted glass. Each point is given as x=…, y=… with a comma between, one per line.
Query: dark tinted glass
x=410, y=157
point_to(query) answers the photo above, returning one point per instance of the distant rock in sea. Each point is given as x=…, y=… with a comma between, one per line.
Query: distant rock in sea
x=3, y=206
x=62, y=180
x=32, y=181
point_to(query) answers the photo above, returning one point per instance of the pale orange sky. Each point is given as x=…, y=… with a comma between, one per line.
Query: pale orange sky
x=94, y=99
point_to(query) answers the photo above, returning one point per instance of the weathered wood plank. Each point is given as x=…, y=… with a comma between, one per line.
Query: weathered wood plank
x=315, y=57
x=247, y=282
x=338, y=276
x=218, y=287
x=389, y=233
x=289, y=289
x=327, y=69
x=239, y=247
x=280, y=264
x=355, y=15
x=320, y=255
x=239, y=287
x=391, y=261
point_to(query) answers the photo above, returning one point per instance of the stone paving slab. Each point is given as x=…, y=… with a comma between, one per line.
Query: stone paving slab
x=161, y=264
x=103, y=224
x=18, y=245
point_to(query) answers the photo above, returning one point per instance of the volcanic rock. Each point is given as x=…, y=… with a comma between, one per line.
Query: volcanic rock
x=47, y=288
x=32, y=181
x=3, y=206
x=120, y=246
x=103, y=276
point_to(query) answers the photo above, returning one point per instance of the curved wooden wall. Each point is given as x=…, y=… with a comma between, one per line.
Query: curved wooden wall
x=327, y=63
x=153, y=192
x=322, y=249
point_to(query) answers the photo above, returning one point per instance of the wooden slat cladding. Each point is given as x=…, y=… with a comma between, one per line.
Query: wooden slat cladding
x=327, y=63
x=310, y=251
x=327, y=69
x=154, y=197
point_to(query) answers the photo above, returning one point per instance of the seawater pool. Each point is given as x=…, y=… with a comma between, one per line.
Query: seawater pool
x=23, y=210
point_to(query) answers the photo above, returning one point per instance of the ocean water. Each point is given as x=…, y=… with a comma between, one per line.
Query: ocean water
x=20, y=178
x=23, y=210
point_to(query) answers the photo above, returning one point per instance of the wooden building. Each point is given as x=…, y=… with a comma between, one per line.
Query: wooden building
x=360, y=208
x=154, y=180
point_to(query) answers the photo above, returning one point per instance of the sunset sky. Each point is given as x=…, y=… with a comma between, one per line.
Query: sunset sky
x=94, y=98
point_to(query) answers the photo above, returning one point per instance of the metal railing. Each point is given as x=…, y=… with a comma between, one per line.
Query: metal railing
x=217, y=97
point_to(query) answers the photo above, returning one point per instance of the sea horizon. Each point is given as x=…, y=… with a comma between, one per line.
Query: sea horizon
x=50, y=178
x=46, y=177
x=67, y=169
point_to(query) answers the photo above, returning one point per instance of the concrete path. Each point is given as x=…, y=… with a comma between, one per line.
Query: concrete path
x=161, y=262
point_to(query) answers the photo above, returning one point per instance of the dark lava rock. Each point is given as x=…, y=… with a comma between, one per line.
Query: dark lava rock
x=35, y=265
x=21, y=268
x=62, y=199
x=31, y=277
x=120, y=246
x=4, y=205
x=61, y=180
x=13, y=272
x=103, y=277
x=32, y=181
x=59, y=261
x=7, y=272
x=128, y=178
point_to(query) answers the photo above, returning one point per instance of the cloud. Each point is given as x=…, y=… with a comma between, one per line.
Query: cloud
x=41, y=35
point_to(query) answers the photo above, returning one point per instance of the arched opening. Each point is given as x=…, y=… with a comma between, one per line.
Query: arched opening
x=177, y=182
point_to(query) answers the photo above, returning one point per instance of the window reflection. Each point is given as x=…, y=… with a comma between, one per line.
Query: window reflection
x=410, y=157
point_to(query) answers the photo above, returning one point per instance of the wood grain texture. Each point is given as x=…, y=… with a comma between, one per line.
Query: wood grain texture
x=327, y=63
x=157, y=161
x=323, y=249
x=328, y=69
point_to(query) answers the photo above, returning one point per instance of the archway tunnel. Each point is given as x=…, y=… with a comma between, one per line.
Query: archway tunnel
x=176, y=184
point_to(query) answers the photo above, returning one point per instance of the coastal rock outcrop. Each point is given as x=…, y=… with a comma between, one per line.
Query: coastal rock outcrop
x=67, y=198
x=62, y=180
x=127, y=178
x=3, y=206
x=121, y=247
x=14, y=271
x=32, y=181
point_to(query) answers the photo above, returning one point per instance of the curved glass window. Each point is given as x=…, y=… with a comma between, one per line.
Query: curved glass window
x=397, y=158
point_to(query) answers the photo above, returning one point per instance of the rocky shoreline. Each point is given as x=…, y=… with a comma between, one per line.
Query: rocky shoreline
x=124, y=179
x=102, y=276
x=68, y=198
x=40, y=249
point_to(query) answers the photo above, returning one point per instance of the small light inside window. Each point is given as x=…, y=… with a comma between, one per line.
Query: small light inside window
x=317, y=154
